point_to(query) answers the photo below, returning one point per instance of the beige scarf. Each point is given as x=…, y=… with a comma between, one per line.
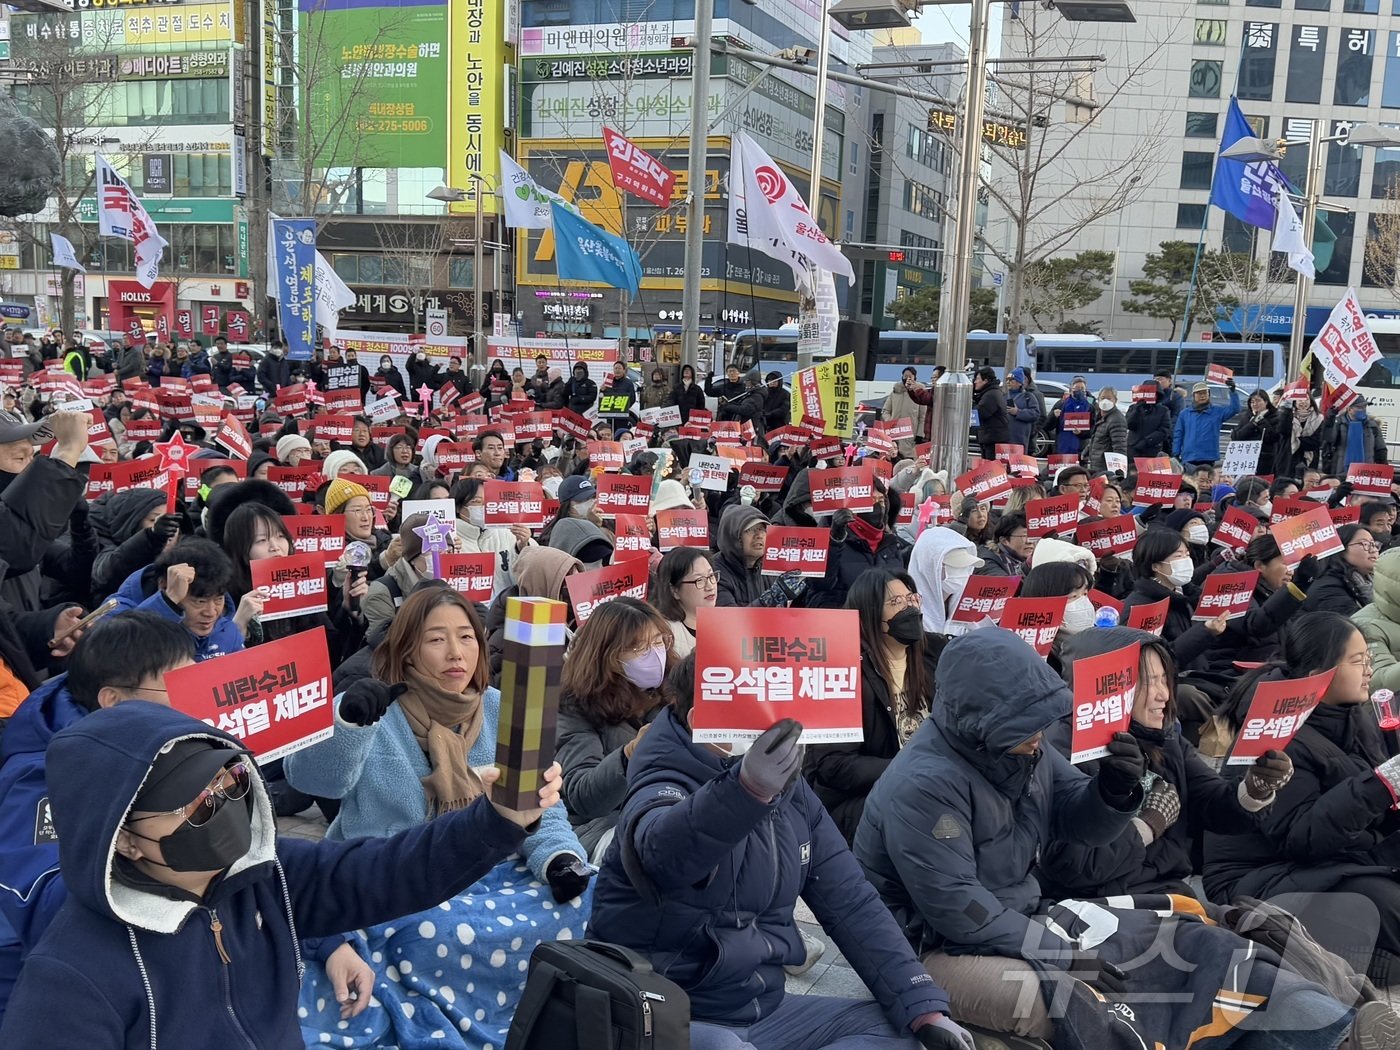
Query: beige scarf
x=446, y=726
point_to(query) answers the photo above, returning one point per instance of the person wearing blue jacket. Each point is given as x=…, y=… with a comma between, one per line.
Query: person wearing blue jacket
x=1196, y=435
x=952, y=831
x=188, y=583
x=1067, y=442
x=1023, y=410
x=710, y=856
x=182, y=918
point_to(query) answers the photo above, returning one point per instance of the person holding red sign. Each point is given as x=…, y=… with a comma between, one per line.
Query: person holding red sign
x=954, y=860
x=859, y=543
x=132, y=528
x=1162, y=568
x=385, y=595
x=686, y=582
x=479, y=538
x=1186, y=795
x=1345, y=584
x=743, y=538
x=1330, y=839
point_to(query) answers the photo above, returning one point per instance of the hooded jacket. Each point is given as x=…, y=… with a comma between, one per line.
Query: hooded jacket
x=140, y=592
x=739, y=584
x=848, y=560
x=1380, y=622
x=926, y=567
x=703, y=877
x=797, y=503
x=952, y=831
x=1337, y=590
x=124, y=967
x=1196, y=434
x=1071, y=868
x=580, y=538
x=899, y=405
x=580, y=393
x=123, y=546
x=993, y=421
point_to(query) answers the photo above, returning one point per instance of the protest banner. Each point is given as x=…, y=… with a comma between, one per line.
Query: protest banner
x=453, y=456
x=710, y=472
x=1023, y=469
x=1057, y=461
x=514, y=503
x=827, y=392
x=1005, y=451
x=1076, y=422
x=473, y=576
x=606, y=455
x=1054, y=516
x=796, y=549
x=623, y=494
x=1145, y=393
x=1036, y=620
x=317, y=535
x=1104, y=688
x=1227, y=593
x=682, y=527
x=1344, y=515
x=1152, y=464
x=901, y=429
x=987, y=481
x=234, y=436
x=1291, y=506
x=829, y=448
x=633, y=534
x=588, y=590
x=1218, y=374
x=757, y=666
x=446, y=509
x=878, y=440
x=981, y=598
x=296, y=585
x=843, y=488
x=764, y=477
x=1151, y=617
x=1108, y=536
x=274, y=697
x=1371, y=479
x=294, y=480
x=1236, y=529
x=1156, y=489
x=191, y=484
x=1277, y=711
x=1309, y=533
x=1241, y=458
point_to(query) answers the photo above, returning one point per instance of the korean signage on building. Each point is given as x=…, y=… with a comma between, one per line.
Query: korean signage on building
x=475, y=94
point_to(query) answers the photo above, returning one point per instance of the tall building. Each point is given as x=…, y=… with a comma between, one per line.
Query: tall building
x=1290, y=64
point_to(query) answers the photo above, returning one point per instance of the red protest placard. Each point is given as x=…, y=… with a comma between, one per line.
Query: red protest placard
x=623, y=494
x=377, y=484
x=1371, y=479
x=1108, y=536
x=1104, y=688
x=633, y=534
x=1052, y=517
x=191, y=486
x=682, y=527
x=1154, y=489
x=471, y=575
x=1152, y=464
x=1218, y=374
x=1309, y=533
x=1226, y=592
x=1145, y=393
x=989, y=480
x=234, y=436
x=275, y=697
x=1105, y=601
x=1236, y=529
x=1004, y=452
x=764, y=477
x=296, y=585
x=1036, y=620
x=796, y=549
x=344, y=401
x=852, y=488
x=1277, y=711
x=291, y=400
x=1151, y=617
x=514, y=503
x=317, y=535
x=144, y=473
x=636, y=171
x=983, y=597
x=1076, y=422
x=758, y=666
x=1057, y=460
x=1344, y=515
x=588, y=590
x=293, y=480
x=605, y=454
x=877, y=440
x=901, y=429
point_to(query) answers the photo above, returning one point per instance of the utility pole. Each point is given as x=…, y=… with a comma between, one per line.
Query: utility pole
x=814, y=193
x=695, y=207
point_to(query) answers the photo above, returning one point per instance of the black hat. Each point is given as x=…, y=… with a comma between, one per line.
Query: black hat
x=180, y=772
x=225, y=499
x=576, y=487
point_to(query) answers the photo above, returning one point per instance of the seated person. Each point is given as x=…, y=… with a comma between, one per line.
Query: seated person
x=1186, y=795
x=182, y=895
x=710, y=856
x=409, y=743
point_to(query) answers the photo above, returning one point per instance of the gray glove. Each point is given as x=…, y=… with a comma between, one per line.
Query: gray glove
x=788, y=588
x=1389, y=772
x=945, y=1034
x=775, y=759
x=1160, y=810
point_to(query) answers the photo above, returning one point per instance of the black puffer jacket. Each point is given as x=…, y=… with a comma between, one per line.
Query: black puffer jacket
x=1337, y=590
x=847, y=561
x=1331, y=821
x=1254, y=637
x=123, y=545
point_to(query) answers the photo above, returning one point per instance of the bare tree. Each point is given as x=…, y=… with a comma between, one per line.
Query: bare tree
x=1383, y=241
x=414, y=252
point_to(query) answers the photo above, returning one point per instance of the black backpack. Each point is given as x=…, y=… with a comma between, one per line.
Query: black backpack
x=588, y=995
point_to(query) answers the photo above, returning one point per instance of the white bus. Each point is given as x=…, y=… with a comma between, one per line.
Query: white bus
x=1381, y=385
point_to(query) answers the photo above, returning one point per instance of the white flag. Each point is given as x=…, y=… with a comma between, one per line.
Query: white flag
x=63, y=254
x=332, y=294
x=1289, y=239
x=121, y=214
x=526, y=202
x=767, y=213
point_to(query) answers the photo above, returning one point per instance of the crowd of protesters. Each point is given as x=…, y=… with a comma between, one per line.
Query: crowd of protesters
x=974, y=878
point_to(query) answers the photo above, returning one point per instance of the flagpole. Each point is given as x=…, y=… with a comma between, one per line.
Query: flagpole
x=695, y=209
x=1300, y=282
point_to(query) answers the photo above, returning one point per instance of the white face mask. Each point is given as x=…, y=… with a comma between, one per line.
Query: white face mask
x=1196, y=532
x=477, y=516
x=584, y=508
x=551, y=487
x=955, y=577
x=1105, y=405
x=1266, y=508
x=1179, y=571
x=1079, y=615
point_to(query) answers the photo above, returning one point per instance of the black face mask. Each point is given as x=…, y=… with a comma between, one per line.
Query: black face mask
x=906, y=627
x=212, y=846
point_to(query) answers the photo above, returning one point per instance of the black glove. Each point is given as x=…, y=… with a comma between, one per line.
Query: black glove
x=839, y=523
x=1230, y=383
x=769, y=766
x=945, y=1034
x=788, y=588
x=365, y=702
x=1100, y=973
x=567, y=877
x=1306, y=572
x=1270, y=772
x=166, y=525
x=1121, y=770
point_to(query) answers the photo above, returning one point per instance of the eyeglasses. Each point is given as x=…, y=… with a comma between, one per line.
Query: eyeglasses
x=230, y=785
x=703, y=583
x=904, y=601
x=1369, y=548
x=1080, y=487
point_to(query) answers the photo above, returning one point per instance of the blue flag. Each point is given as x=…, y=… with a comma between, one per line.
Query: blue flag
x=293, y=252
x=583, y=252
x=1249, y=192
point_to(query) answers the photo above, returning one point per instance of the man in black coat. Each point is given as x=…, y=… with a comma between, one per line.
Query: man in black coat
x=993, y=422
x=728, y=390
x=580, y=392
x=274, y=370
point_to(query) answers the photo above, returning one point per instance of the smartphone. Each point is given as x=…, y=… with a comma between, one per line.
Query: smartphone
x=109, y=606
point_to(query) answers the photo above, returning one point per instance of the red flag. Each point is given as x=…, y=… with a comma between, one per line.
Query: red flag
x=184, y=323
x=636, y=171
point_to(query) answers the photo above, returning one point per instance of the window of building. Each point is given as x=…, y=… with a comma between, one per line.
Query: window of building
x=867, y=287
x=1238, y=236
x=346, y=267
x=1355, y=49
x=1263, y=3
x=922, y=201
x=1210, y=32
x=1362, y=7
x=1342, y=176
x=1190, y=216
x=1202, y=125
x=459, y=271
x=1307, y=53
x=1218, y=3
x=1390, y=85
x=1295, y=162
x=1376, y=271
x=1257, y=61
x=1313, y=5
x=1196, y=169
x=1206, y=75
x=1339, y=270
x=1385, y=175
x=928, y=252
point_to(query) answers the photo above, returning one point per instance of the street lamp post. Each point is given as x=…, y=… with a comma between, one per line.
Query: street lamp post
x=454, y=195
